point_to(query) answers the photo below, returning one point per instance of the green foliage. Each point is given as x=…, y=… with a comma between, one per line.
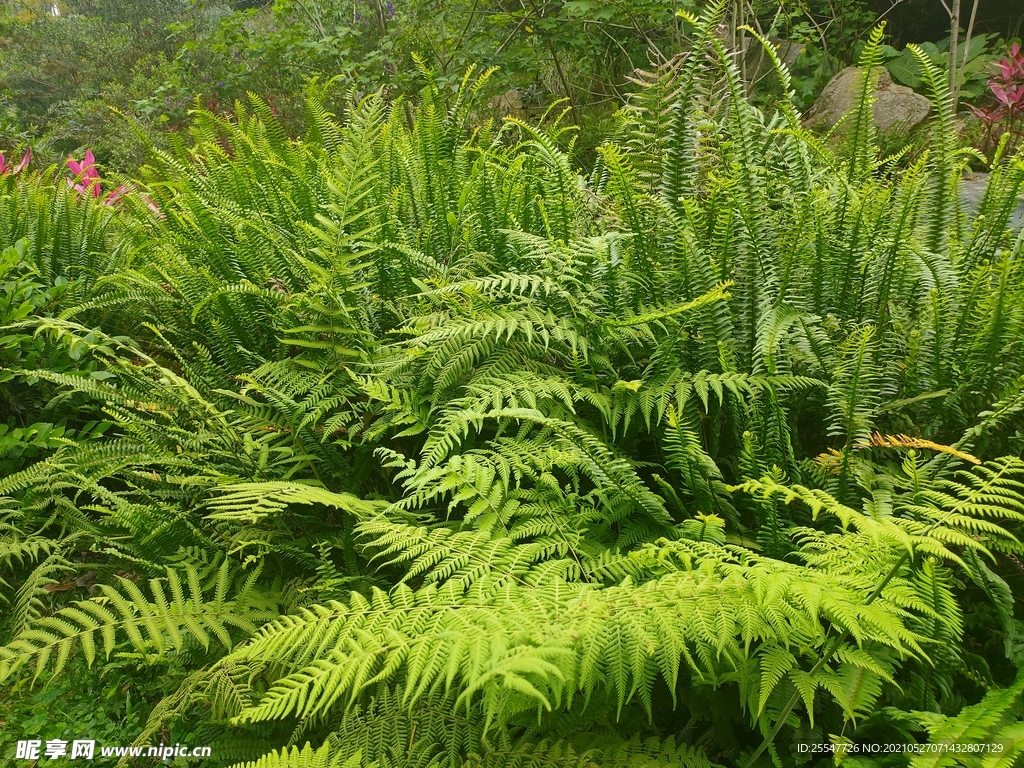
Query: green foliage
x=63, y=72
x=109, y=704
x=55, y=246
x=304, y=758
x=422, y=447
x=818, y=37
x=70, y=77
x=976, y=55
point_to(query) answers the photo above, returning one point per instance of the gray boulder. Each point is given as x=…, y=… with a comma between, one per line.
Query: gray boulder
x=896, y=106
x=972, y=191
x=507, y=103
x=759, y=64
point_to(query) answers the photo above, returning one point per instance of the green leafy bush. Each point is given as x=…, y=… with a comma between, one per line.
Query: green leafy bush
x=975, y=57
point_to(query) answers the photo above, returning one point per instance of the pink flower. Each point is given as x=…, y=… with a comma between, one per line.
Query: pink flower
x=86, y=176
x=6, y=169
x=117, y=194
x=87, y=180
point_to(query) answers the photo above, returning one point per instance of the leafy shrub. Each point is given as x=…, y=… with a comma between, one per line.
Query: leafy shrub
x=1004, y=115
x=973, y=75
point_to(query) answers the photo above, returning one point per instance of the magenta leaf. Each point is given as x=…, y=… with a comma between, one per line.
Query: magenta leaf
x=25, y=160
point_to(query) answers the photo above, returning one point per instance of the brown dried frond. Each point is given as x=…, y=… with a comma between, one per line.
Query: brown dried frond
x=878, y=440
x=831, y=460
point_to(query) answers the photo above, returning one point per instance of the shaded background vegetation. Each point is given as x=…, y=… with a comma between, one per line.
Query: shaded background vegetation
x=65, y=66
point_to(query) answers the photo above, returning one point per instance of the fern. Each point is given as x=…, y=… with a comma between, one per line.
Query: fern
x=438, y=450
x=995, y=722
x=160, y=625
x=305, y=758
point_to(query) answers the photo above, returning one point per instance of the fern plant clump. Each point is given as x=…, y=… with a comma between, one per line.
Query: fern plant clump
x=411, y=443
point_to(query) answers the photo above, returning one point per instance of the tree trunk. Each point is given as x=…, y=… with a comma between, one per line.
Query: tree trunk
x=963, y=59
x=954, y=42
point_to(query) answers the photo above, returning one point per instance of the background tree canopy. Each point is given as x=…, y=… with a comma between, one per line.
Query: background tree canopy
x=67, y=68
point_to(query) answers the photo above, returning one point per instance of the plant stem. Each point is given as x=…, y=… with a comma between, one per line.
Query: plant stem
x=739, y=41
x=954, y=43
x=963, y=60
x=565, y=85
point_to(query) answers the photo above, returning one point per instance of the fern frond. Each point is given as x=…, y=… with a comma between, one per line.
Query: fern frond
x=179, y=611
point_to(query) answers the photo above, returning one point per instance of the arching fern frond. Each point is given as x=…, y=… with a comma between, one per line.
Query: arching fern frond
x=306, y=757
x=181, y=610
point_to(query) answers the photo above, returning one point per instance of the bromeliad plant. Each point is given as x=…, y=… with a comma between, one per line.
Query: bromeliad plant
x=1004, y=115
x=425, y=448
x=6, y=169
x=87, y=183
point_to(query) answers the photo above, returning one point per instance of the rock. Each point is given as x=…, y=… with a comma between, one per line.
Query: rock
x=759, y=65
x=510, y=102
x=788, y=51
x=965, y=122
x=972, y=191
x=896, y=106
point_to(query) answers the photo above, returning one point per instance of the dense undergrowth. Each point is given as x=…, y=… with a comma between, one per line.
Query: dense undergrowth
x=413, y=443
